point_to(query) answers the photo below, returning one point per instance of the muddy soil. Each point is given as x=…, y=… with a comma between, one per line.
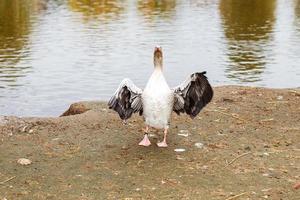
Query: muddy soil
x=244, y=145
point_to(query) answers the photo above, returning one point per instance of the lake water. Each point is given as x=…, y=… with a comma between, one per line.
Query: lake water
x=54, y=53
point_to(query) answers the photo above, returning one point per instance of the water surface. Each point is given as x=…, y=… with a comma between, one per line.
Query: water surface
x=53, y=53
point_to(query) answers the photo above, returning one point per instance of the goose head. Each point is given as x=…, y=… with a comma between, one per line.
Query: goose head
x=158, y=57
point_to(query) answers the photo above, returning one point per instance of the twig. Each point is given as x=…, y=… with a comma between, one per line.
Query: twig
x=236, y=196
x=224, y=113
x=244, y=154
x=267, y=120
x=7, y=180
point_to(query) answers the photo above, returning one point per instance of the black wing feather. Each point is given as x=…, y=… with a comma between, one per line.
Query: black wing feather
x=193, y=95
x=127, y=100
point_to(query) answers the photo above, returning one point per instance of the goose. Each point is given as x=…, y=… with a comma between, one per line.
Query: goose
x=157, y=101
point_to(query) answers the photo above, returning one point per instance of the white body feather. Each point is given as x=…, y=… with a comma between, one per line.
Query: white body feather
x=158, y=101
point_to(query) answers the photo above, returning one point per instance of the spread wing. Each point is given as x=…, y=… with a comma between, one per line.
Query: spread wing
x=192, y=95
x=126, y=100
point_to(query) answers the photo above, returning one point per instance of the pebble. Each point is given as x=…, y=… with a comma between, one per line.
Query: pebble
x=152, y=135
x=24, y=161
x=279, y=97
x=266, y=175
x=184, y=131
x=24, y=129
x=125, y=147
x=179, y=158
x=199, y=145
x=247, y=148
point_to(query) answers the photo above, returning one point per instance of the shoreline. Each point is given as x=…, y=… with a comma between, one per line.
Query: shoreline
x=245, y=142
x=293, y=89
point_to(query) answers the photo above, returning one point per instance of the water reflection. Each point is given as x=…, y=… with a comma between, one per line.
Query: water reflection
x=159, y=8
x=95, y=8
x=14, y=30
x=247, y=26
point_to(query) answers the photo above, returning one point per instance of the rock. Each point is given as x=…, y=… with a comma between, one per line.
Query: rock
x=184, y=131
x=24, y=129
x=224, y=99
x=199, y=145
x=75, y=109
x=266, y=175
x=24, y=161
x=125, y=147
x=153, y=135
x=247, y=148
x=297, y=186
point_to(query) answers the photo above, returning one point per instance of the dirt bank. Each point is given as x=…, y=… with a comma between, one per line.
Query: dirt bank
x=248, y=147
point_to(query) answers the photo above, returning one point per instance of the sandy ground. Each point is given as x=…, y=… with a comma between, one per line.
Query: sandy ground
x=248, y=147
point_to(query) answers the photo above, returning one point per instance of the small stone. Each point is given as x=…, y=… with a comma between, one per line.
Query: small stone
x=152, y=135
x=297, y=186
x=125, y=147
x=184, y=131
x=24, y=161
x=30, y=131
x=24, y=129
x=179, y=157
x=204, y=167
x=199, y=145
x=279, y=97
x=266, y=175
x=247, y=148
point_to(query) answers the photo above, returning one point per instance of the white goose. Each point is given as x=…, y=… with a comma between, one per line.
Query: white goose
x=158, y=100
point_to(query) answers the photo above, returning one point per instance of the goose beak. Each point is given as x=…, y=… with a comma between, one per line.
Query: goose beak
x=158, y=52
x=158, y=48
x=158, y=57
